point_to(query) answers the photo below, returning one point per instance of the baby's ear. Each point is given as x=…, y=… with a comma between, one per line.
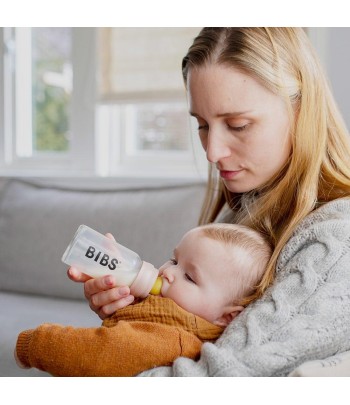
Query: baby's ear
x=229, y=314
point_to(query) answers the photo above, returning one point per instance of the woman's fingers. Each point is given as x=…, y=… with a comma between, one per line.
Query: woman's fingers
x=110, y=236
x=76, y=275
x=97, y=285
x=110, y=308
x=105, y=297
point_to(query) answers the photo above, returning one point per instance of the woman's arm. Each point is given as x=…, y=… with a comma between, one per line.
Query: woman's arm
x=305, y=314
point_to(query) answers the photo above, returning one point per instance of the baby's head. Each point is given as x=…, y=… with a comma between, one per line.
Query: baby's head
x=214, y=268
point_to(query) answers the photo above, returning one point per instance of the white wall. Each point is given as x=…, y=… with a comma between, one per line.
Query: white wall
x=338, y=66
x=333, y=47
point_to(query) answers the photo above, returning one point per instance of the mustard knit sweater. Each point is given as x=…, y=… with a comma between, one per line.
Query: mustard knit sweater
x=151, y=333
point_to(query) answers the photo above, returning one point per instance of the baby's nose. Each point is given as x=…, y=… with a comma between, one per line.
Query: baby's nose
x=168, y=274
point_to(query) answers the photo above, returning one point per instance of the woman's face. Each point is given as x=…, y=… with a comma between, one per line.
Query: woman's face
x=243, y=127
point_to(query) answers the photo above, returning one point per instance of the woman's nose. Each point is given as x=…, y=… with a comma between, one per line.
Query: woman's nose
x=216, y=148
x=169, y=275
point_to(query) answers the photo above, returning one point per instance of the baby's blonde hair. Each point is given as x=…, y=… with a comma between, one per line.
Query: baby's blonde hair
x=250, y=252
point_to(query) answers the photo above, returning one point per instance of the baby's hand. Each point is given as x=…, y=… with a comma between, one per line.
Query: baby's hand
x=19, y=363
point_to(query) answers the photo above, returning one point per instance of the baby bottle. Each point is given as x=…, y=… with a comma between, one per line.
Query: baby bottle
x=96, y=255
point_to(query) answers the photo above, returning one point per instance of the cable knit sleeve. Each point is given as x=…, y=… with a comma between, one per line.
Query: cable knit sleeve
x=304, y=315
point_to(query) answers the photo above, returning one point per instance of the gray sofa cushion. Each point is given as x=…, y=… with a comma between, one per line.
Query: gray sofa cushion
x=38, y=219
x=20, y=312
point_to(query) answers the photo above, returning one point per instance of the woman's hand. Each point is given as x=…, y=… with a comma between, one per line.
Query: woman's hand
x=102, y=293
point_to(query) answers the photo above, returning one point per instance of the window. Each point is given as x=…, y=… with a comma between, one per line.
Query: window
x=52, y=85
x=96, y=101
x=142, y=113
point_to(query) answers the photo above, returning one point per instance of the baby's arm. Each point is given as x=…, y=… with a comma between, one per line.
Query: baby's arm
x=122, y=350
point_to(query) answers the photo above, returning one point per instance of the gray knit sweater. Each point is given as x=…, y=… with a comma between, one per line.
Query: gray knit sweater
x=304, y=315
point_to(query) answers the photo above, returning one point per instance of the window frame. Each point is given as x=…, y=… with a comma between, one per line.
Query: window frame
x=116, y=157
x=80, y=159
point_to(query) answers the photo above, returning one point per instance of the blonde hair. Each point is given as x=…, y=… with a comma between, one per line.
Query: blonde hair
x=317, y=171
x=251, y=254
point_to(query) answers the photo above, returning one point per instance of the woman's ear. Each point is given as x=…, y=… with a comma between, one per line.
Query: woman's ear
x=229, y=314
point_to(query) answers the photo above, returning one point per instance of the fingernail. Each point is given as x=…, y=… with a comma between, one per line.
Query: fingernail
x=129, y=299
x=109, y=280
x=124, y=290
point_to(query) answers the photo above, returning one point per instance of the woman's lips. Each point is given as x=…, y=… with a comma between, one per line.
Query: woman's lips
x=229, y=174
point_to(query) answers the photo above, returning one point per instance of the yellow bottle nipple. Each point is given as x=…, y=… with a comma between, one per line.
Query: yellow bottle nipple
x=157, y=286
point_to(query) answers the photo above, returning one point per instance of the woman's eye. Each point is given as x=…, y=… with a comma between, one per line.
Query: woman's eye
x=188, y=277
x=173, y=261
x=201, y=127
x=238, y=129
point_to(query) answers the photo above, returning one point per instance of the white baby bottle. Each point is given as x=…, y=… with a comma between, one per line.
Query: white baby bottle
x=96, y=255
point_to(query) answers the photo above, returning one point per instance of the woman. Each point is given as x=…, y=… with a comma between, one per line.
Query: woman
x=280, y=163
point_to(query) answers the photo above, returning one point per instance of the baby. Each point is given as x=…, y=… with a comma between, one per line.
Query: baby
x=214, y=267
x=213, y=273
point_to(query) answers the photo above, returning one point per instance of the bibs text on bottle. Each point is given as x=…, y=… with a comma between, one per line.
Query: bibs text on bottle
x=96, y=255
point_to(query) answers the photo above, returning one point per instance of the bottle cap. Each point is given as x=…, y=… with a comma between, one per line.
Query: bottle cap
x=144, y=281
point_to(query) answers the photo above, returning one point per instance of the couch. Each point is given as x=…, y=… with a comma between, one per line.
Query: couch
x=39, y=217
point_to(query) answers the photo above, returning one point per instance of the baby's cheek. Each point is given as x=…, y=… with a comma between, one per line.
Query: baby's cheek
x=184, y=302
x=168, y=291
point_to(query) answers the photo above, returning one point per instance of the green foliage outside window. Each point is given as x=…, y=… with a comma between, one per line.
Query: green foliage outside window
x=51, y=101
x=50, y=120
